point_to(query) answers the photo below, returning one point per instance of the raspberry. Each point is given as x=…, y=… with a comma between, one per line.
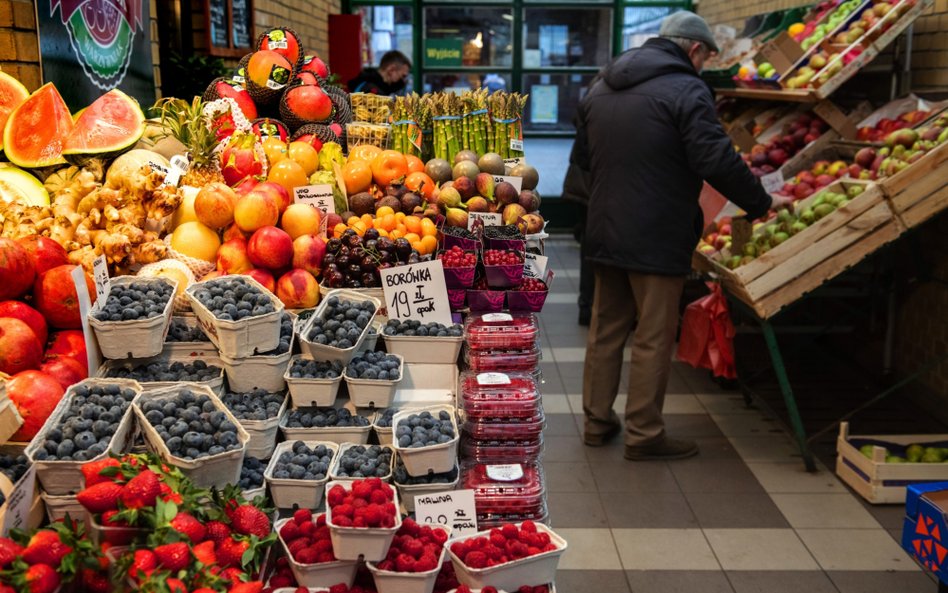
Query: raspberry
x=302, y=515
x=494, y=553
x=498, y=539
x=519, y=550
x=289, y=532
x=359, y=521
x=321, y=520
x=361, y=489
x=308, y=528
x=359, y=503
x=533, y=551
x=335, y=495
x=409, y=527
x=323, y=545
x=510, y=531
x=322, y=531
x=463, y=589
x=543, y=538
x=404, y=563
x=296, y=545
x=374, y=483
x=298, y=589
x=476, y=559
x=549, y=547
x=432, y=549
x=413, y=548
x=373, y=515
x=343, y=510
x=387, y=565
x=389, y=509
x=528, y=526
x=342, y=521
x=325, y=557
x=378, y=497
x=388, y=490
x=279, y=581
x=340, y=588
x=488, y=589
x=439, y=535
x=426, y=563
x=307, y=556
x=388, y=521
x=457, y=548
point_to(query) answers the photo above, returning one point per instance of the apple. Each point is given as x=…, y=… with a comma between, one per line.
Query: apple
x=271, y=248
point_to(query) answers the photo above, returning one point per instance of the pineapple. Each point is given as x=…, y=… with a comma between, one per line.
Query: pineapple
x=188, y=124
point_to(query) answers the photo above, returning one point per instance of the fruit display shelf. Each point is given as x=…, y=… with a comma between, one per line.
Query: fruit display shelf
x=919, y=192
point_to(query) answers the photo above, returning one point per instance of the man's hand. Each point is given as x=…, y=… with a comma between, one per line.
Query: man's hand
x=779, y=202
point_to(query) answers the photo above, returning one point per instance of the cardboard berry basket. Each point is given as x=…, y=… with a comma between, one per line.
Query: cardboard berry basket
x=425, y=349
x=390, y=581
x=260, y=371
x=251, y=493
x=135, y=338
x=214, y=470
x=58, y=506
x=408, y=492
x=334, y=468
x=382, y=433
x=116, y=536
x=432, y=459
x=373, y=393
x=538, y=569
x=323, y=574
x=65, y=477
x=324, y=351
x=334, y=434
x=216, y=384
x=287, y=492
x=244, y=337
x=206, y=348
x=263, y=434
x=306, y=393
x=369, y=543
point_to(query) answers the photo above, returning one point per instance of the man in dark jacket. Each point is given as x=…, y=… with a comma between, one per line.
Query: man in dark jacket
x=388, y=79
x=653, y=138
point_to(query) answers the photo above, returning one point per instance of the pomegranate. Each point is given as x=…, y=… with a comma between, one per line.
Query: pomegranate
x=55, y=297
x=72, y=343
x=35, y=395
x=16, y=269
x=44, y=252
x=239, y=159
x=26, y=314
x=20, y=350
x=65, y=369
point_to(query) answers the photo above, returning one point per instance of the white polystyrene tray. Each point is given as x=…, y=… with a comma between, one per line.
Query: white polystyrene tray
x=533, y=570
x=137, y=338
x=334, y=468
x=314, y=576
x=369, y=543
x=242, y=338
x=433, y=459
x=388, y=581
x=308, y=494
x=325, y=352
x=425, y=349
x=338, y=435
x=308, y=393
x=373, y=393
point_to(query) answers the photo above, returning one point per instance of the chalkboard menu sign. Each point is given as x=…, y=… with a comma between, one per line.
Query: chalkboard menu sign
x=218, y=22
x=241, y=12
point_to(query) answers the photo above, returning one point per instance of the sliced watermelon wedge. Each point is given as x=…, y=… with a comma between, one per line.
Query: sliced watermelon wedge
x=12, y=94
x=33, y=136
x=110, y=126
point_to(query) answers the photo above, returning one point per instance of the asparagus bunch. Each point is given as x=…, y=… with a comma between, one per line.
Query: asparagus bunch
x=406, y=130
x=475, y=125
x=506, y=138
x=446, y=125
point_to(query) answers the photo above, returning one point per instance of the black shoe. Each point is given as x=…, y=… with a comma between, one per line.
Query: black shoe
x=598, y=440
x=585, y=316
x=667, y=449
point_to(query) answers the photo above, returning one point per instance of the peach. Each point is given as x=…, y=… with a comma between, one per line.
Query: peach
x=298, y=289
x=214, y=205
x=271, y=248
x=263, y=277
x=256, y=210
x=234, y=232
x=232, y=257
x=308, y=252
x=212, y=274
x=277, y=192
x=301, y=219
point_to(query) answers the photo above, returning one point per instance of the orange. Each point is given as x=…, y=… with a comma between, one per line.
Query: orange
x=275, y=150
x=429, y=243
x=388, y=166
x=420, y=183
x=304, y=154
x=289, y=174
x=384, y=211
x=413, y=224
x=428, y=227
x=364, y=152
x=357, y=176
x=415, y=164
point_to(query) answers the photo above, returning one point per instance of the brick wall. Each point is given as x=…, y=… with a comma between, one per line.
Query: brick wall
x=930, y=39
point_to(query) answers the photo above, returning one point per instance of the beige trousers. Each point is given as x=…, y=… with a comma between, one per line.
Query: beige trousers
x=622, y=298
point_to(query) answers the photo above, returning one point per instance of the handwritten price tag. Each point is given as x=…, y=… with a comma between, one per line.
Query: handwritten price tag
x=454, y=509
x=517, y=182
x=534, y=266
x=417, y=291
x=772, y=181
x=93, y=354
x=488, y=218
x=317, y=195
x=515, y=161
x=100, y=274
x=19, y=502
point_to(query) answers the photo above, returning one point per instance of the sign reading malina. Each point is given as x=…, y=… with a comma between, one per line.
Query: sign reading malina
x=106, y=40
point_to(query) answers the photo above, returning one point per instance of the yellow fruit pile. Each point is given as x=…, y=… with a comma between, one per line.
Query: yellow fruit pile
x=420, y=232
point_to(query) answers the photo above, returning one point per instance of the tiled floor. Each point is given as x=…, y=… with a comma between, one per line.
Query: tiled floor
x=741, y=517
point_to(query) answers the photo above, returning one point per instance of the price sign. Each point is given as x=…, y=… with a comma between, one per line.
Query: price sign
x=19, y=501
x=317, y=195
x=534, y=266
x=93, y=354
x=487, y=218
x=179, y=167
x=505, y=473
x=453, y=509
x=417, y=291
x=517, y=182
x=772, y=182
x=516, y=145
x=100, y=274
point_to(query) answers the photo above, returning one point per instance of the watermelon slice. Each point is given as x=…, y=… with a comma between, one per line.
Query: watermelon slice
x=16, y=185
x=110, y=126
x=33, y=136
x=12, y=93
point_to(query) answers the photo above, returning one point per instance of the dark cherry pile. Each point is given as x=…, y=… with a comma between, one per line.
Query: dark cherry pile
x=459, y=232
x=457, y=258
x=352, y=261
x=142, y=299
x=509, y=231
x=501, y=257
x=232, y=298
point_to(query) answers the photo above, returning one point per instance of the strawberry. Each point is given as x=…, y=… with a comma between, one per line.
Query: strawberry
x=109, y=519
x=251, y=587
x=249, y=520
x=176, y=586
x=173, y=557
x=217, y=531
x=141, y=491
x=233, y=574
x=230, y=552
x=204, y=552
x=209, y=590
x=9, y=551
x=45, y=547
x=95, y=581
x=41, y=578
x=100, y=497
x=92, y=471
x=143, y=564
x=188, y=526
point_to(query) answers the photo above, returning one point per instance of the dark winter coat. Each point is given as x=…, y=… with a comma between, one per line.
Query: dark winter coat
x=371, y=81
x=653, y=137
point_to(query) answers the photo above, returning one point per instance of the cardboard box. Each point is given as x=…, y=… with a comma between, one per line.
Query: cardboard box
x=781, y=51
x=925, y=529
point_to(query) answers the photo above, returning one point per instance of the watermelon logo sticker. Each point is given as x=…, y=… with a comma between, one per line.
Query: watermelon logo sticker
x=101, y=33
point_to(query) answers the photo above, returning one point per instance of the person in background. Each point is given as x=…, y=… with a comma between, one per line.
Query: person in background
x=494, y=82
x=652, y=139
x=388, y=79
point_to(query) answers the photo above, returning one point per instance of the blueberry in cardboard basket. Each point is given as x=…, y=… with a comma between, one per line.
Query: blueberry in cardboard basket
x=179, y=331
x=375, y=365
x=412, y=327
x=341, y=323
x=88, y=425
x=209, y=433
x=164, y=370
x=14, y=467
x=324, y=418
x=303, y=463
x=365, y=461
x=401, y=476
x=142, y=299
x=253, y=405
x=232, y=298
x=384, y=419
x=302, y=368
x=424, y=430
x=251, y=473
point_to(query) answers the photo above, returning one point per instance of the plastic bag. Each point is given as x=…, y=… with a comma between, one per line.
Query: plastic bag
x=707, y=334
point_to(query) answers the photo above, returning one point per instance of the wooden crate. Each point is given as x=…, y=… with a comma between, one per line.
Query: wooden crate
x=920, y=191
x=874, y=479
x=806, y=260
